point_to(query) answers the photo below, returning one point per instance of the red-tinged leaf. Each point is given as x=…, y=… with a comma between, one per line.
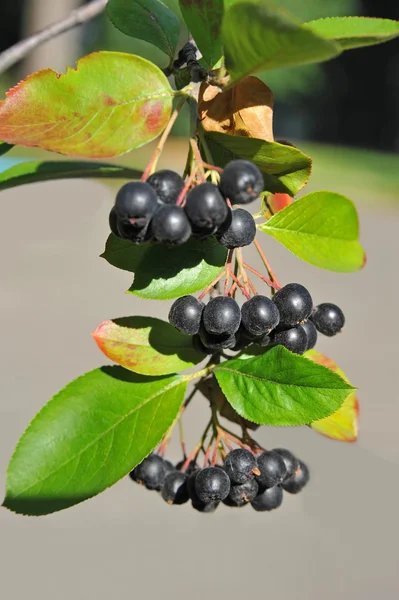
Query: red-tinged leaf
x=343, y=425
x=108, y=105
x=279, y=201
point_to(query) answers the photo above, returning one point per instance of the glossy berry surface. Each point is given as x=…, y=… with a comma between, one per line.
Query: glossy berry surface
x=214, y=342
x=239, y=465
x=294, y=304
x=238, y=230
x=241, y=182
x=290, y=461
x=170, y=225
x=212, y=485
x=259, y=315
x=297, y=482
x=221, y=315
x=242, y=493
x=151, y=472
x=174, y=489
x=167, y=185
x=206, y=208
x=311, y=334
x=202, y=507
x=169, y=467
x=272, y=469
x=136, y=203
x=328, y=319
x=185, y=314
x=113, y=221
x=268, y=500
x=294, y=339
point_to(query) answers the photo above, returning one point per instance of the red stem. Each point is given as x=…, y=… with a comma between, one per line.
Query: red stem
x=265, y=279
x=212, y=167
x=269, y=269
x=211, y=285
x=187, y=186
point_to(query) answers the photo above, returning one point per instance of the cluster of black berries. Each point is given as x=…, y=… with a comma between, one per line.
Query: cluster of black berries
x=242, y=479
x=147, y=210
x=288, y=319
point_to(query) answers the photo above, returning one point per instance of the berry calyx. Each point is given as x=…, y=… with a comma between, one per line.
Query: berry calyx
x=297, y=482
x=170, y=225
x=215, y=342
x=240, y=465
x=294, y=339
x=174, y=489
x=136, y=203
x=150, y=472
x=212, y=485
x=294, y=304
x=311, y=334
x=167, y=185
x=259, y=315
x=242, y=493
x=238, y=230
x=270, y=499
x=290, y=461
x=328, y=319
x=206, y=208
x=185, y=314
x=221, y=316
x=272, y=469
x=241, y=181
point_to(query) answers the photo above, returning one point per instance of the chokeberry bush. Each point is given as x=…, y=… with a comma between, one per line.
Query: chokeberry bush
x=247, y=339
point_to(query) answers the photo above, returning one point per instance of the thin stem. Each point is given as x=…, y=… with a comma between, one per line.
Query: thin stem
x=269, y=269
x=187, y=186
x=211, y=285
x=228, y=271
x=212, y=167
x=215, y=450
x=208, y=451
x=181, y=436
x=265, y=279
x=239, y=284
x=197, y=155
x=242, y=269
x=77, y=17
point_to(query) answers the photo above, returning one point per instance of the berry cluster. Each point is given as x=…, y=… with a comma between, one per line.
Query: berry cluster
x=243, y=478
x=288, y=319
x=161, y=209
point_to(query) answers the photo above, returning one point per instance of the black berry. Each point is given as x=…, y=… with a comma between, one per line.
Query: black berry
x=297, y=482
x=137, y=235
x=328, y=319
x=210, y=507
x=290, y=461
x=242, y=494
x=185, y=314
x=241, y=182
x=294, y=339
x=214, y=342
x=192, y=466
x=113, y=221
x=136, y=203
x=199, y=346
x=294, y=304
x=151, y=472
x=311, y=334
x=174, y=489
x=268, y=500
x=243, y=339
x=238, y=230
x=206, y=208
x=212, y=485
x=170, y=225
x=264, y=341
x=240, y=465
x=169, y=467
x=259, y=315
x=167, y=185
x=272, y=469
x=221, y=315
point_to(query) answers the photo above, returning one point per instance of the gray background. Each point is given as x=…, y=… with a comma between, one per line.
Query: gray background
x=337, y=538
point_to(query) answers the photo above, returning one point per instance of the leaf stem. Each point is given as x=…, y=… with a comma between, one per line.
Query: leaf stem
x=265, y=279
x=198, y=158
x=269, y=269
x=212, y=284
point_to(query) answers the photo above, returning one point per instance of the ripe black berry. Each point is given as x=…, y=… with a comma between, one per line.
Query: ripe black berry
x=238, y=230
x=259, y=315
x=290, y=461
x=113, y=221
x=272, y=469
x=169, y=467
x=167, y=185
x=328, y=319
x=185, y=314
x=240, y=465
x=221, y=315
x=311, y=333
x=212, y=485
x=137, y=235
x=214, y=342
x=268, y=500
x=136, y=203
x=151, y=472
x=192, y=466
x=264, y=340
x=174, y=489
x=294, y=339
x=199, y=346
x=297, y=482
x=241, y=182
x=206, y=208
x=210, y=507
x=294, y=304
x=242, y=494
x=170, y=225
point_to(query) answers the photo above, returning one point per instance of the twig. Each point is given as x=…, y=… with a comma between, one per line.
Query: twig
x=265, y=279
x=270, y=271
x=77, y=17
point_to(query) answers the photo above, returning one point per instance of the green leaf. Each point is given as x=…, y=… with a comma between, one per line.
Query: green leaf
x=46, y=170
x=281, y=388
x=321, y=228
x=204, y=21
x=90, y=435
x=146, y=345
x=162, y=272
x=285, y=169
x=109, y=104
x=4, y=148
x=355, y=32
x=259, y=36
x=148, y=20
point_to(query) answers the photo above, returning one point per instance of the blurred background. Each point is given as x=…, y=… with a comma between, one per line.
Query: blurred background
x=339, y=537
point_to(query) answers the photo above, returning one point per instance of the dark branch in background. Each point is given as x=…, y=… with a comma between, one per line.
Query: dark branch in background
x=188, y=56
x=81, y=15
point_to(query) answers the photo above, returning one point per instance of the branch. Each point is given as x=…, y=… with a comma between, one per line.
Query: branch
x=78, y=16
